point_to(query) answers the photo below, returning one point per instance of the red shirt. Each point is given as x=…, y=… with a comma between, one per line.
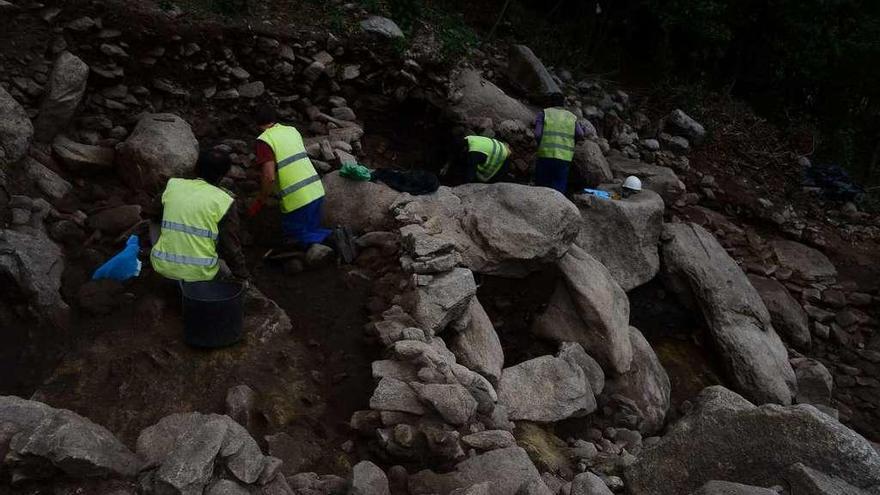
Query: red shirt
x=264, y=153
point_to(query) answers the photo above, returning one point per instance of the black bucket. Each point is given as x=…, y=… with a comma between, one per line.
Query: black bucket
x=213, y=313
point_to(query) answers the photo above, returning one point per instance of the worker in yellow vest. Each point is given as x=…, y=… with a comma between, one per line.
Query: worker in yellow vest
x=556, y=130
x=482, y=159
x=198, y=217
x=287, y=171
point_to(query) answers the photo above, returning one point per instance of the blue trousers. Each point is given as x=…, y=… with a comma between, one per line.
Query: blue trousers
x=552, y=173
x=303, y=225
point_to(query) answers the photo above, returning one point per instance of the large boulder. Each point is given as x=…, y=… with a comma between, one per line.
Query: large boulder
x=442, y=299
x=725, y=437
x=591, y=164
x=368, y=479
x=704, y=276
x=805, y=262
x=528, y=72
x=643, y=392
x=661, y=180
x=814, y=382
x=716, y=487
x=804, y=480
x=475, y=97
x=500, y=229
x=787, y=315
x=30, y=259
x=16, y=130
x=546, y=389
x=361, y=206
x=623, y=235
x=477, y=346
x=182, y=450
x=84, y=159
x=161, y=146
x=64, y=92
x=590, y=308
x=506, y=471
x=682, y=124
x=39, y=441
x=381, y=27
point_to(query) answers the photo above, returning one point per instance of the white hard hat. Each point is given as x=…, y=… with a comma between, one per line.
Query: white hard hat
x=632, y=182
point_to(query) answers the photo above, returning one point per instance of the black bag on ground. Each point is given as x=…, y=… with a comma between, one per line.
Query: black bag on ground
x=415, y=182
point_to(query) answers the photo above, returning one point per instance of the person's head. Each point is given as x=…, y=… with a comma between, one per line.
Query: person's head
x=265, y=116
x=213, y=165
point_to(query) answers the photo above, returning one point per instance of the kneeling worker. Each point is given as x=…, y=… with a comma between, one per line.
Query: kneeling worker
x=198, y=218
x=287, y=171
x=482, y=159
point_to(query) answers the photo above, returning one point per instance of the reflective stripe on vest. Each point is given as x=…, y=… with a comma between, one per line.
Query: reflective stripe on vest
x=298, y=182
x=557, y=139
x=496, y=153
x=186, y=249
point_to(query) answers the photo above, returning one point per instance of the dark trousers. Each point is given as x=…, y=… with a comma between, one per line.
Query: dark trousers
x=552, y=173
x=303, y=225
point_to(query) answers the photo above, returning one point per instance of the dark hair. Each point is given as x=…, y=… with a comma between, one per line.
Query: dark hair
x=213, y=165
x=266, y=115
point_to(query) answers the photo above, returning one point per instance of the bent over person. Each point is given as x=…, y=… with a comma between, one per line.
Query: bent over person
x=287, y=171
x=482, y=159
x=198, y=217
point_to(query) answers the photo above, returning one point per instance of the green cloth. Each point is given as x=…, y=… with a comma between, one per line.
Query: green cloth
x=355, y=171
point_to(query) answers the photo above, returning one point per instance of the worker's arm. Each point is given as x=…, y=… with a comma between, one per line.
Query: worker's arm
x=474, y=160
x=539, y=127
x=229, y=244
x=267, y=180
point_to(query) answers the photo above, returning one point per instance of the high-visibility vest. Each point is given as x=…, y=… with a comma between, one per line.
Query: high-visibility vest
x=557, y=140
x=298, y=182
x=187, y=245
x=496, y=153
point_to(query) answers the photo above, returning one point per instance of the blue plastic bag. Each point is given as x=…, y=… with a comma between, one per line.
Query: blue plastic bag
x=124, y=265
x=598, y=193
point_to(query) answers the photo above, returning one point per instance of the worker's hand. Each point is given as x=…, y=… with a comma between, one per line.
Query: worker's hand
x=255, y=208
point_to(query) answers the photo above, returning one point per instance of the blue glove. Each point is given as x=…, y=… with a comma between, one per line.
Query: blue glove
x=124, y=265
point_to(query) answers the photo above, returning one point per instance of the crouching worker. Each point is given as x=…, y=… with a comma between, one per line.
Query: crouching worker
x=198, y=220
x=482, y=159
x=288, y=172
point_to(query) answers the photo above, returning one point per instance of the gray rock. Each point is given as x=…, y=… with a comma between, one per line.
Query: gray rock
x=83, y=159
x=64, y=92
x=477, y=346
x=16, y=130
x=535, y=487
x=361, y=206
x=394, y=395
x=814, y=382
x=728, y=488
x=443, y=299
x=368, y=479
x=252, y=89
x=116, y=219
x=52, y=185
x=500, y=229
x=661, y=180
x=186, y=447
x=591, y=163
x=382, y=27
x=226, y=487
x=787, y=315
x=161, y=146
x=589, y=484
x=646, y=386
x=241, y=403
x=40, y=436
x=398, y=370
x=452, y=401
x=527, y=71
x=319, y=255
x=574, y=353
x=724, y=437
x=475, y=97
x=805, y=262
x=701, y=272
x=804, y=480
x=687, y=126
x=35, y=264
x=590, y=308
x=623, y=235
x=506, y=470
x=676, y=144
x=546, y=389
x=489, y=440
